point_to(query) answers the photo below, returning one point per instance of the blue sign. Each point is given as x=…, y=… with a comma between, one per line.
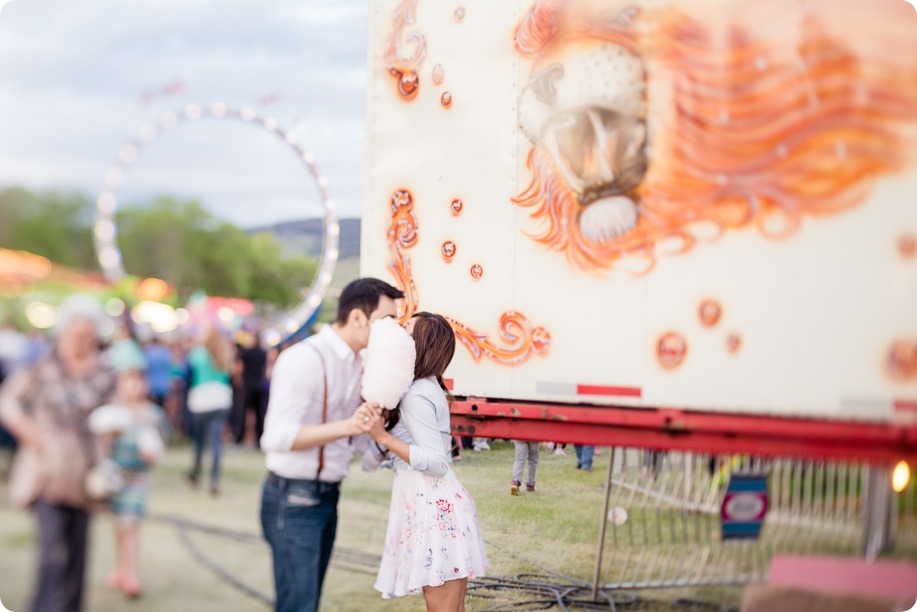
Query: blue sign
x=744, y=506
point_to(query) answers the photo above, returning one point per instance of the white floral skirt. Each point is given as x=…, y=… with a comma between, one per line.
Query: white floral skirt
x=432, y=536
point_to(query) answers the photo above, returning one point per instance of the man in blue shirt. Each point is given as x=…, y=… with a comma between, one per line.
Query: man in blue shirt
x=159, y=374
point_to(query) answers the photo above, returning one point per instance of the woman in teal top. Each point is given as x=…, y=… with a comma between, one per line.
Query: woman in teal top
x=209, y=401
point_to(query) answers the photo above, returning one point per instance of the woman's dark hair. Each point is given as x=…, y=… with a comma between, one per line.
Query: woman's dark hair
x=435, y=342
x=364, y=293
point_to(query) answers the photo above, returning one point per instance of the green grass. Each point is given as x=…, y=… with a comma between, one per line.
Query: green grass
x=555, y=528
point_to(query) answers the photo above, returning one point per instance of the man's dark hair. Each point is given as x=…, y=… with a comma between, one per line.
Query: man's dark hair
x=364, y=293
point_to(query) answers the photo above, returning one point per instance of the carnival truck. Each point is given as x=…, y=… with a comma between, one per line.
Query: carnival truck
x=673, y=225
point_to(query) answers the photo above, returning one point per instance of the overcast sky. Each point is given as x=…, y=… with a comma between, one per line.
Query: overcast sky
x=73, y=74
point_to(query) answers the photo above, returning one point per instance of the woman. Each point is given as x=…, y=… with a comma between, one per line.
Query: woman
x=47, y=409
x=433, y=542
x=209, y=401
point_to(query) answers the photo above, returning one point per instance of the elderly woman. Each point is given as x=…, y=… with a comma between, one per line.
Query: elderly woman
x=46, y=408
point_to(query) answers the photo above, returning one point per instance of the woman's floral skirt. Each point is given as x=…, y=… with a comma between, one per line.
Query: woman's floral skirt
x=432, y=536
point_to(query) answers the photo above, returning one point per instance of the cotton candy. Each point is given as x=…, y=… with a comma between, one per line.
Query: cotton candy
x=104, y=480
x=388, y=368
x=149, y=442
x=110, y=419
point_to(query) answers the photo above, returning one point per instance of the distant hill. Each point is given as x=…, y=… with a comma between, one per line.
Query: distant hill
x=305, y=237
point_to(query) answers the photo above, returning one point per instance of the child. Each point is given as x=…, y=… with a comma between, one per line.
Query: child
x=128, y=437
x=526, y=452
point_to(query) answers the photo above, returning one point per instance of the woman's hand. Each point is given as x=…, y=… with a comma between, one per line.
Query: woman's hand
x=25, y=430
x=375, y=428
x=372, y=423
x=364, y=418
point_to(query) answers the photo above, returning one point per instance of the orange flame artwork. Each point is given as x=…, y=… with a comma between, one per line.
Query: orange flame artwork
x=523, y=339
x=405, y=68
x=649, y=123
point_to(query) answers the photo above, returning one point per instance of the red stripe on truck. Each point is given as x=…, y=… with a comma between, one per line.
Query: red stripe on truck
x=602, y=390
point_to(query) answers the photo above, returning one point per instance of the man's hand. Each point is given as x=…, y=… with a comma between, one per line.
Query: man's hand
x=312, y=436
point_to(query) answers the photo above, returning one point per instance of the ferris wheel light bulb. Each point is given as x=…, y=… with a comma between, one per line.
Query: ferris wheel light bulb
x=147, y=133
x=127, y=154
x=106, y=203
x=168, y=120
x=105, y=230
x=114, y=176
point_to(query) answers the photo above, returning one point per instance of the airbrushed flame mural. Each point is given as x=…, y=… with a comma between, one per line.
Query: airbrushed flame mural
x=755, y=126
x=688, y=200
x=522, y=338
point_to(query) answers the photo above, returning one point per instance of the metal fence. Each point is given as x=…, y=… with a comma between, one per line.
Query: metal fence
x=663, y=517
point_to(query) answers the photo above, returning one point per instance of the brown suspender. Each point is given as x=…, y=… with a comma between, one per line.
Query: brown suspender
x=321, y=449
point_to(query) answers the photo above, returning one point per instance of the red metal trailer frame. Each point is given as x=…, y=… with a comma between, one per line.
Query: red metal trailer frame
x=688, y=430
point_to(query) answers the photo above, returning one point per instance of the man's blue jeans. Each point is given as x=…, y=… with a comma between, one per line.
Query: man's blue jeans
x=584, y=456
x=299, y=520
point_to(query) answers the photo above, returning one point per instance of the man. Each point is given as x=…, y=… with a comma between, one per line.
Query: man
x=13, y=347
x=254, y=364
x=7, y=441
x=312, y=414
x=159, y=371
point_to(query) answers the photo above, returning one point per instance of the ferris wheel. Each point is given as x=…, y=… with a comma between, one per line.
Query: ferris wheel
x=106, y=229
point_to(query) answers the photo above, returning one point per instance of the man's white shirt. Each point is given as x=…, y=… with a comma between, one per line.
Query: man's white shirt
x=296, y=399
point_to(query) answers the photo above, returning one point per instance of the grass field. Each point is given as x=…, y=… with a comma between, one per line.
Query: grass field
x=555, y=528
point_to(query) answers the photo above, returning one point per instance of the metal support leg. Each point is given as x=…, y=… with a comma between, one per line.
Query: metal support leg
x=603, y=522
x=877, y=518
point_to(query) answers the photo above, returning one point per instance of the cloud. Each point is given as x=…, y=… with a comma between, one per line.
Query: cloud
x=72, y=75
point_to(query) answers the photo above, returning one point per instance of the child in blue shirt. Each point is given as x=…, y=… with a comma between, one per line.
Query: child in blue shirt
x=129, y=438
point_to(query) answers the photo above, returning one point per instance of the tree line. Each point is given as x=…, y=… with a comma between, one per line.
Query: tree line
x=177, y=241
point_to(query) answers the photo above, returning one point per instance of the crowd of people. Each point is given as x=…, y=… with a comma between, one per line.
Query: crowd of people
x=91, y=420
x=87, y=421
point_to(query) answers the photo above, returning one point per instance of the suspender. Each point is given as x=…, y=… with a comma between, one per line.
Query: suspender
x=321, y=449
